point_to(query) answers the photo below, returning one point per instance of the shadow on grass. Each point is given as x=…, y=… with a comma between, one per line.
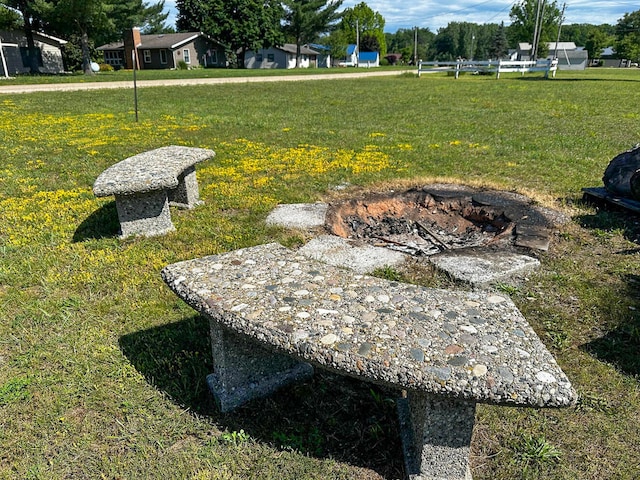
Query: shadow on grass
x=327, y=416
x=611, y=218
x=100, y=224
x=572, y=80
x=621, y=346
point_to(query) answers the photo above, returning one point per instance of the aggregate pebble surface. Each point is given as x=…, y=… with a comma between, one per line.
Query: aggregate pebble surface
x=148, y=171
x=468, y=345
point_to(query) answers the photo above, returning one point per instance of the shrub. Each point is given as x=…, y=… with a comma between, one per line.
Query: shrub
x=105, y=67
x=182, y=65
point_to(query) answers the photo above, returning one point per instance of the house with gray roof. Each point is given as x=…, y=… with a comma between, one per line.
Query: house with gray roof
x=283, y=56
x=164, y=51
x=570, y=57
x=14, y=53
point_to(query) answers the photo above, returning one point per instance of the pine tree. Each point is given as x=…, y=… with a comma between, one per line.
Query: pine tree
x=500, y=45
x=239, y=24
x=305, y=20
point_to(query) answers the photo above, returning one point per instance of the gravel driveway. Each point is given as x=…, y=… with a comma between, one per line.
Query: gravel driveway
x=68, y=87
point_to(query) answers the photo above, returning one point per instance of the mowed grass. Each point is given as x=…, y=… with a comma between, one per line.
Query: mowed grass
x=102, y=369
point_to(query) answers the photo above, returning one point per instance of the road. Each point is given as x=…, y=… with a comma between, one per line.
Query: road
x=69, y=87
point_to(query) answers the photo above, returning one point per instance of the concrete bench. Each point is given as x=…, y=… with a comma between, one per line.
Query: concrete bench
x=146, y=184
x=274, y=314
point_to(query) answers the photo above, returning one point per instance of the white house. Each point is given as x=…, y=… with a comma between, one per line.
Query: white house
x=14, y=53
x=369, y=59
x=281, y=57
x=356, y=58
x=351, y=59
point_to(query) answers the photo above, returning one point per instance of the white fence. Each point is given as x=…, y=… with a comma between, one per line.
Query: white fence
x=490, y=66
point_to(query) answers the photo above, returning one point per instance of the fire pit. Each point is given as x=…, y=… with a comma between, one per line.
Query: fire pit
x=439, y=218
x=477, y=236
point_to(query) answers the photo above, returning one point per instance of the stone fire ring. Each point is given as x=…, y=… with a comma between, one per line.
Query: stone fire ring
x=481, y=266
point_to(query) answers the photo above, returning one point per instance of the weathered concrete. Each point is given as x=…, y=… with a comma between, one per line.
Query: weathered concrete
x=298, y=215
x=484, y=267
x=448, y=349
x=360, y=258
x=146, y=184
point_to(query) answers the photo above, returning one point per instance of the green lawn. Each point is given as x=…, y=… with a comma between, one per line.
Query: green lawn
x=102, y=368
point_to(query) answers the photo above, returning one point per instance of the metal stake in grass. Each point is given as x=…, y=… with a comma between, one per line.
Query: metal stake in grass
x=135, y=85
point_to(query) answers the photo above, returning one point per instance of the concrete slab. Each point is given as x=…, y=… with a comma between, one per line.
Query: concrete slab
x=340, y=252
x=484, y=267
x=298, y=215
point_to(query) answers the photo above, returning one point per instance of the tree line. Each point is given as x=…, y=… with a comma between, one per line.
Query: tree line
x=242, y=25
x=493, y=41
x=83, y=23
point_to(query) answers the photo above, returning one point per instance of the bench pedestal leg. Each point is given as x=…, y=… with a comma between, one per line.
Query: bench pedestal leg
x=144, y=214
x=436, y=436
x=245, y=370
x=186, y=194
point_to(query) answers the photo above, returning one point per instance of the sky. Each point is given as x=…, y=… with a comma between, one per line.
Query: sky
x=435, y=14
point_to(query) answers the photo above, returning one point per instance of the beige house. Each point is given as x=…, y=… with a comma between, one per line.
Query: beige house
x=164, y=51
x=14, y=53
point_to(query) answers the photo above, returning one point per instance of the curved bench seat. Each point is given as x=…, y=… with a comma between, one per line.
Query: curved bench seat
x=146, y=184
x=271, y=308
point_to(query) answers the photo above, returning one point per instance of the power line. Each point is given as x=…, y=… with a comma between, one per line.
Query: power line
x=465, y=9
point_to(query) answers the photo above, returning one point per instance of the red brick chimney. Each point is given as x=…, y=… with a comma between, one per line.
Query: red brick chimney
x=131, y=43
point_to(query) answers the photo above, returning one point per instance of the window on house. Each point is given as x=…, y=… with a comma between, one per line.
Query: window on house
x=258, y=57
x=271, y=57
x=24, y=52
x=163, y=57
x=186, y=56
x=147, y=56
x=113, y=58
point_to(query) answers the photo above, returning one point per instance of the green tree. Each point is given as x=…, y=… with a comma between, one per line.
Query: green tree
x=499, y=44
x=627, y=42
x=361, y=22
x=33, y=14
x=524, y=15
x=10, y=19
x=337, y=42
x=154, y=19
x=91, y=22
x=457, y=39
x=485, y=35
x=240, y=24
x=596, y=42
x=86, y=19
x=579, y=33
x=306, y=20
x=404, y=41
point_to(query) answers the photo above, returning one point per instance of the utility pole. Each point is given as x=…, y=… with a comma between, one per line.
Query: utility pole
x=357, y=42
x=4, y=62
x=415, y=46
x=564, y=6
x=537, y=29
